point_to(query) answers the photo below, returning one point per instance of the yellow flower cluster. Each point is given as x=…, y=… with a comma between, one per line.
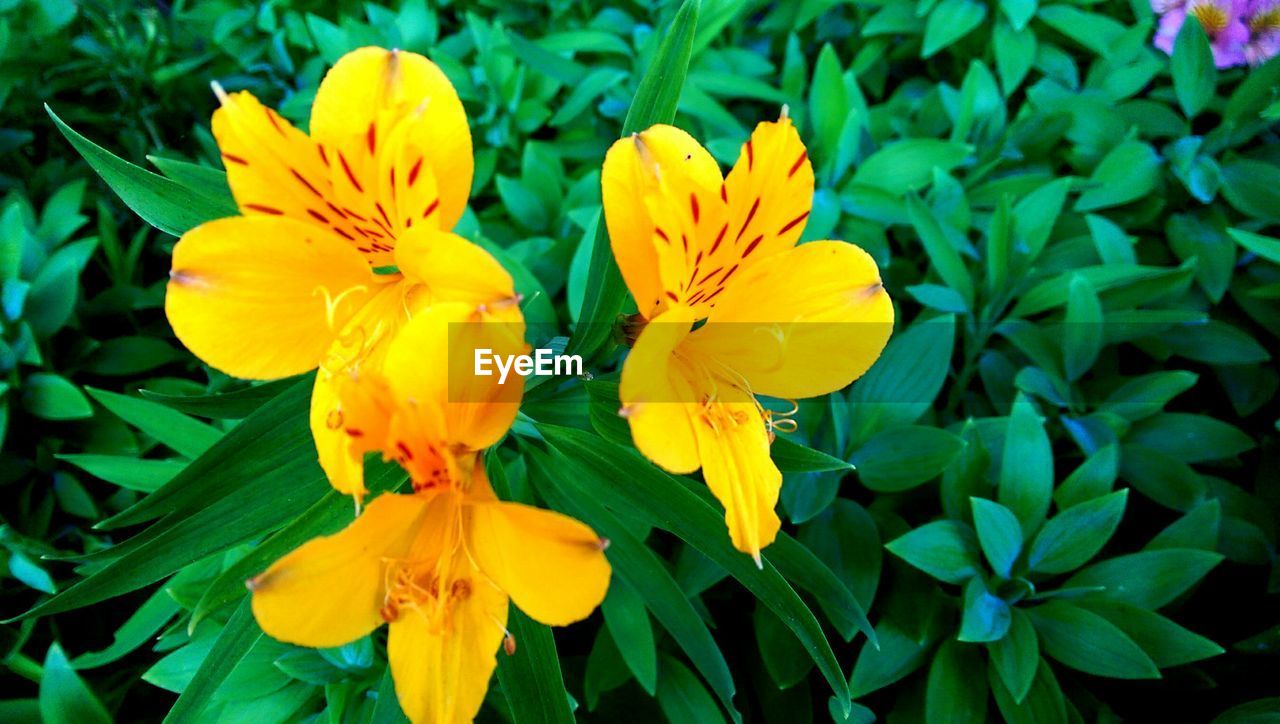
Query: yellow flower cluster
x=343, y=261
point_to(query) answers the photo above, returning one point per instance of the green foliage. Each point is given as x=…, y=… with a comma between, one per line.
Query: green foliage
x=1060, y=470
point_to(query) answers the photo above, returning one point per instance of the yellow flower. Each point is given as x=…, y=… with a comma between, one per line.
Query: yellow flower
x=778, y=319
x=344, y=234
x=439, y=564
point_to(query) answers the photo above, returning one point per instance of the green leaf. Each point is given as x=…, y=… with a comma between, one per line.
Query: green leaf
x=532, y=680
x=1082, y=333
x=1263, y=246
x=1075, y=535
x=126, y=471
x=628, y=623
x=950, y=21
x=828, y=100
x=1169, y=482
x=140, y=628
x=1036, y=213
x=902, y=385
x=1043, y=703
x=682, y=697
x=166, y=205
x=1190, y=438
x=643, y=570
x=986, y=617
x=944, y=256
x=655, y=102
x=905, y=457
x=899, y=654
x=1088, y=642
x=945, y=549
x=908, y=165
x=179, y=432
x=1193, y=70
x=233, y=642
x=53, y=397
x=1015, y=50
x=1016, y=656
x=209, y=182
x=669, y=505
x=1128, y=172
x=235, y=405
x=998, y=533
x=1146, y=395
x=1019, y=12
x=1026, y=469
x=953, y=692
x=1149, y=579
x=1252, y=187
x=254, y=480
x=64, y=697
x=792, y=457
x=1167, y=643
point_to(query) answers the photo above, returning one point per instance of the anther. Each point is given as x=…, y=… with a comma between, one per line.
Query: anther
x=509, y=644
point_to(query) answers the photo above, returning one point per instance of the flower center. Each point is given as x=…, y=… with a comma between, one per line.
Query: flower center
x=1212, y=17
x=423, y=589
x=1266, y=21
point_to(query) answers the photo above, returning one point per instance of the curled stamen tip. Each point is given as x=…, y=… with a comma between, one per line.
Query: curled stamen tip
x=218, y=91
x=759, y=561
x=184, y=278
x=253, y=584
x=626, y=411
x=786, y=112
x=509, y=644
x=603, y=544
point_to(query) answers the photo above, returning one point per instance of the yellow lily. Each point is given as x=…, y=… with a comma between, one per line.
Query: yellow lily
x=439, y=564
x=780, y=320
x=344, y=234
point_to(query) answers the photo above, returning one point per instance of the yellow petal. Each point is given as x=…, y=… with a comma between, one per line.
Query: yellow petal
x=770, y=191
x=809, y=322
x=657, y=394
x=734, y=446
x=260, y=297
x=432, y=362
x=329, y=591
x=666, y=161
x=343, y=464
x=551, y=565
x=453, y=269
x=402, y=95
x=441, y=676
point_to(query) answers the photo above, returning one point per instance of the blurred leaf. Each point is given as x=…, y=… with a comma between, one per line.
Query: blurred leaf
x=53, y=397
x=64, y=697
x=1016, y=656
x=1087, y=642
x=1026, y=471
x=945, y=549
x=998, y=533
x=1194, y=74
x=1149, y=579
x=1072, y=537
x=953, y=693
x=905, y=457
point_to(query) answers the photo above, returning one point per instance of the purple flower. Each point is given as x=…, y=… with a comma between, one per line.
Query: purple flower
x=1222, y=20
x=1263, y=21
